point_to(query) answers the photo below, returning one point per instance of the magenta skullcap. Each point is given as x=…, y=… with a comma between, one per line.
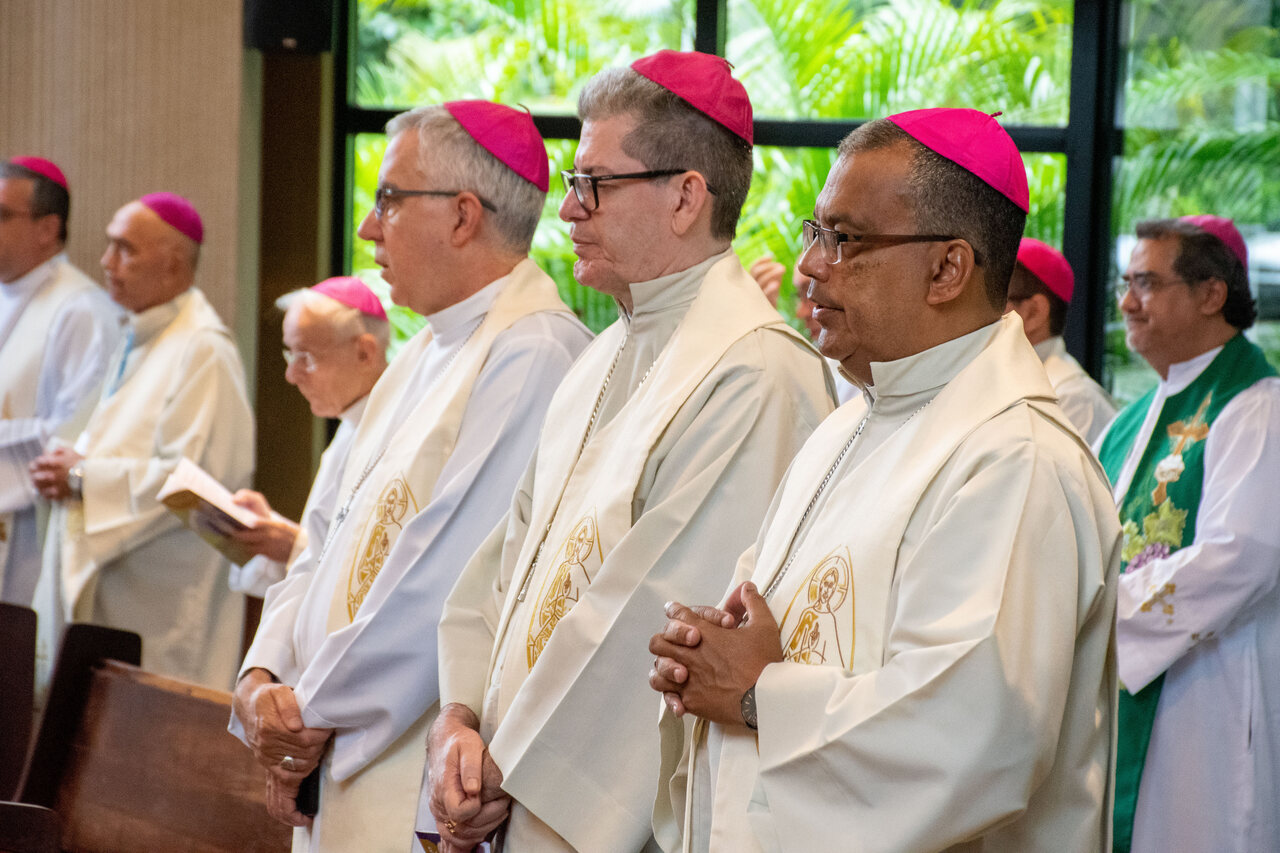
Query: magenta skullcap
x=44, y=167
x=1225, y=230
x=1047, y=264
x=177, y=212
x=973, y=141
x=704, y=82
x=352, y=292
x=508, y=134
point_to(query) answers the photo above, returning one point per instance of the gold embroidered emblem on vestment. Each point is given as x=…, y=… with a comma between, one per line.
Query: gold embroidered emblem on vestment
x=563, y=586
x=815, y=635
x=394, y=506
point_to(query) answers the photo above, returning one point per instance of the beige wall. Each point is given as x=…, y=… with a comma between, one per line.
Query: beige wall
x=134, y=96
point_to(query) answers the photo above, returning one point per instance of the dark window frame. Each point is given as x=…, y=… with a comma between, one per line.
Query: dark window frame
x=1090, y=142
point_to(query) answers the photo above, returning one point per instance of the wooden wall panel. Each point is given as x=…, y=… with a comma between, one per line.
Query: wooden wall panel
x=134, y=96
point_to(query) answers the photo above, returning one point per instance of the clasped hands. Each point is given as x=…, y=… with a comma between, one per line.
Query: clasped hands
x=275, y=731
x=49, y=473
x=708, y=657
x=466, y=799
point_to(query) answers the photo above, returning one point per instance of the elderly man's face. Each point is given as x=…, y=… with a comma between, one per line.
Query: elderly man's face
x=621, y=241
x=327, y=374
x=411, y=238
x=867, y=304
x=1161, y=321
x=143, y=259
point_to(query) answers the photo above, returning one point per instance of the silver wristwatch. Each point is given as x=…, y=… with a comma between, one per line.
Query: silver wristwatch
x=75, y=480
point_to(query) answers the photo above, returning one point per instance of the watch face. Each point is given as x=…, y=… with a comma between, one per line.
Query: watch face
x=748, y=706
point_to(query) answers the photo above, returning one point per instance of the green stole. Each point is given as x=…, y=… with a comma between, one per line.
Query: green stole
x=1159, y=517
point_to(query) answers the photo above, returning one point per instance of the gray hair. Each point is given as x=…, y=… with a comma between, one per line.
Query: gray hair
x=345, y=322
x=447, y=153
x=670, y=134
x=948, y=199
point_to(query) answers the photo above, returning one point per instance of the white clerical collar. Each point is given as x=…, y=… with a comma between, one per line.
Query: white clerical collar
x=1184, y=373
x=25, y=285
x=453, y=324
x=930, y=369
x=669, y=291
x=352, y=414
x=1051, y=347
x=151, y=322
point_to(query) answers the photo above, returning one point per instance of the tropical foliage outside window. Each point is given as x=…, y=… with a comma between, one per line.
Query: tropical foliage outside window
x=1201, y=117
x=1199, y=95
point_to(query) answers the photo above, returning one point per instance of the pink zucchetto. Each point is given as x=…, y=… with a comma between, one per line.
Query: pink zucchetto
x=44, y=167
x=508, y=134
x=973, y=141
x=352, y=292
x=1225, y=230
x=1047, y=264
x=176, y=211
x=704, y=82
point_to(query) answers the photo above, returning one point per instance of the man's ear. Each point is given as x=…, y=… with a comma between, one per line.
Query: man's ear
x=953, y=270
x=468, y=215
x=1213, y=296
x=694, y=197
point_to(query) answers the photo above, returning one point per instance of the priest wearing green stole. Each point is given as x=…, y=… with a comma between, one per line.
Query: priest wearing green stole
x=917, y=654
x=658, y=457
x=1195, y=465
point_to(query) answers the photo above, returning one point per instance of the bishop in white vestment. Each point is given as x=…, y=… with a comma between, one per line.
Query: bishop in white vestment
x=347, y=639
x=114, y=554
x=659, y=453
x=335, y=335
x=1040, y=291
x=919, y=653
x=57, y=331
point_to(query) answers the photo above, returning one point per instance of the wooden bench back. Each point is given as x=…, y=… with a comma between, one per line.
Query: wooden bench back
x=153, y=768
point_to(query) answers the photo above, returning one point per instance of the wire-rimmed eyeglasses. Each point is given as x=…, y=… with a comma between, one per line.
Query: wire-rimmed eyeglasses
x=830, y=241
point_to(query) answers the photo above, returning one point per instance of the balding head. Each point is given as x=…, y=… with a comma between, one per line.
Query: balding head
x=147, y=262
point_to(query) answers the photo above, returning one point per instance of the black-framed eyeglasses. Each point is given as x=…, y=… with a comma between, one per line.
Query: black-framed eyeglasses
x=1143, y=284
x=830, y=241
x=587, y=187
x=384, y=194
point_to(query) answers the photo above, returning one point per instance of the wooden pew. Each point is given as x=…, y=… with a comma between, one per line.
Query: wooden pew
x=17, y=688
x=151, y=767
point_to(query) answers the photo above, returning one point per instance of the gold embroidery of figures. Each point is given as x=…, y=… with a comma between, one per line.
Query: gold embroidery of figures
x=817, y=637
x=394, y=505
x=563, y=586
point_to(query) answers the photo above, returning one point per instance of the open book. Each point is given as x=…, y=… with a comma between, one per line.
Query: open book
x=205, y=506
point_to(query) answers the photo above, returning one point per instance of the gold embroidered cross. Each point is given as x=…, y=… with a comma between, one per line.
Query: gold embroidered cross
x=1185, y=433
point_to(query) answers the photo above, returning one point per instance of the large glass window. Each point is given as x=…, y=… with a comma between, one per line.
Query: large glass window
x=813, y=69
x=1201, y=117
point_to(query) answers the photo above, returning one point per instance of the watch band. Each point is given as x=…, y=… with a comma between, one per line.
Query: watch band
x=748, y=707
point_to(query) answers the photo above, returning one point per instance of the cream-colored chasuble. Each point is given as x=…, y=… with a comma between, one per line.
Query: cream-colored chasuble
x=581, y=513
x=907, y=594
x=119, y=557
x=392, y=471
x=57, y=330
x=709, y=399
